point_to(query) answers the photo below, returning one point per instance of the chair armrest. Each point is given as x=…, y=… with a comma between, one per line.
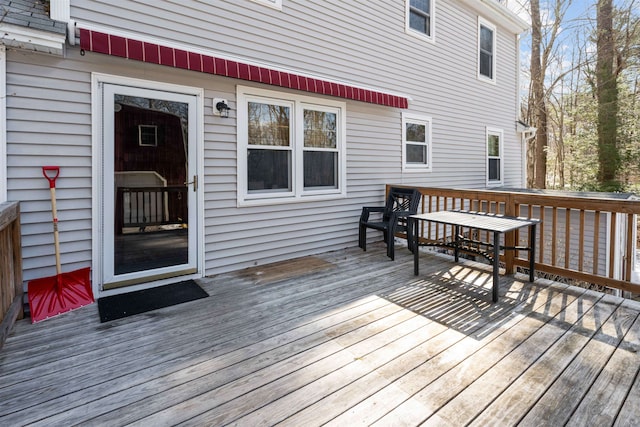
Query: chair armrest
x=366, y=210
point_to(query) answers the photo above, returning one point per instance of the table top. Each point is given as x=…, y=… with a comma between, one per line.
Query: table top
x=479, y=220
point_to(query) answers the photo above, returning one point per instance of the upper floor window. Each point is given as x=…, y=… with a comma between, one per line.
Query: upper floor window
x=273, y=3
x=289, y=146
x=416, y=142
x=486, y=51
x=494, y=156
x=420, y=18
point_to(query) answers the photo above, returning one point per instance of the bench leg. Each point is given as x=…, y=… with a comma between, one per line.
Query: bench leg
x=456, y=255
x=413, y=226
x=532, y=252
x=362, y=237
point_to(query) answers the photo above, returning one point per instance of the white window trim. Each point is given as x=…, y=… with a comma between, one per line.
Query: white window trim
x=155, y=135
x=410, y=31
x=276, y=4
x=484, y=23
x=298, y=193
x=500, y=133
x=415, y=118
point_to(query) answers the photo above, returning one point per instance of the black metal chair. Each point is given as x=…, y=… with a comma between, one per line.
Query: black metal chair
x=401, y=202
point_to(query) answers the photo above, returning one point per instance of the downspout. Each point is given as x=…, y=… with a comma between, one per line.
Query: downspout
x=527, y=136
x=60, y=10
x=3, y=124
x=523, y=153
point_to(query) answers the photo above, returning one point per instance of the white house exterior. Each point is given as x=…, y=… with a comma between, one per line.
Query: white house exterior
x=368, y=93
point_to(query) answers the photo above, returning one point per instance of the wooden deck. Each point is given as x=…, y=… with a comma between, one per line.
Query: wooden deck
x=355, y=339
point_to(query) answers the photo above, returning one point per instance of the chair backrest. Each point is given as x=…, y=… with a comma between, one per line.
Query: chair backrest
x=401, y=199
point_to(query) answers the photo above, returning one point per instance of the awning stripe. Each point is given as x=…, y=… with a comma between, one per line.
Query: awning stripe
x=109, y=44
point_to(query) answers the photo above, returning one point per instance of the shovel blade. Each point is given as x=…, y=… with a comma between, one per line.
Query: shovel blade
x=50, y=296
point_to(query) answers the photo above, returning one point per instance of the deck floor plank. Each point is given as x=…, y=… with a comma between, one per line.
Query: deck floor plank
x=130, y=361
x=280, y=377
x=370, y=397
x=600, y=406
x=125, y=354
x=479, y=358
x=489, y=386
x=355, y=339
x=628, y=415
x=155, y=375
x=149, y=397
x=515, y=401
x=557, y=405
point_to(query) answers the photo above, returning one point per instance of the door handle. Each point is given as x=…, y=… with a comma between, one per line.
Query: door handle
x=194, y=182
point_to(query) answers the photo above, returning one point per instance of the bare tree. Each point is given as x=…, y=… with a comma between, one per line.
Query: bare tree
x=543, y=49
x=607, y=94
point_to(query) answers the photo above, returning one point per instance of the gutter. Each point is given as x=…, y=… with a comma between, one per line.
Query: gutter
x=493, y=10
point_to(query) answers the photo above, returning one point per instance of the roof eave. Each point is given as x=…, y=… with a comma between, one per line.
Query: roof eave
x=498, y=13
x=34, y=40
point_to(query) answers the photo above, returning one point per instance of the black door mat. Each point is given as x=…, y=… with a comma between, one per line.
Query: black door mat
x=128, y=304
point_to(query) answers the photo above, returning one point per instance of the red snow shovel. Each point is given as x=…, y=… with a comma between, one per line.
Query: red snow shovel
x=63, y=292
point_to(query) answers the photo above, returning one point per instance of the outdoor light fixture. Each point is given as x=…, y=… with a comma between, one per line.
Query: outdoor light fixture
x=222, y=107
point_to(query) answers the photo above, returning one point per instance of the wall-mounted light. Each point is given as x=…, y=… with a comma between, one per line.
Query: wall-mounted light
x=221, y=107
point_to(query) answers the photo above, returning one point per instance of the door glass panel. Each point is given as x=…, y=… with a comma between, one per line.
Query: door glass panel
x=150, y=171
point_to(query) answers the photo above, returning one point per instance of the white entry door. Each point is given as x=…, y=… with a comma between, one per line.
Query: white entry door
x=149, y=185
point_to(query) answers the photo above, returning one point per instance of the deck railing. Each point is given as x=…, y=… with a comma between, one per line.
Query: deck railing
x=10, y=268
x=150, y=206
x=587, y=239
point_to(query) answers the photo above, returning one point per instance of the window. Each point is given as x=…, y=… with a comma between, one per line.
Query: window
x=147, y=135
x=486, y=51
x=289, y=147
x=416, y=143
x=494, y=156
x=277, y=4
x=420, y=18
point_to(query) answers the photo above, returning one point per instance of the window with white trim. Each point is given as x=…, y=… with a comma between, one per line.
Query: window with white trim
x=289, y=147
x=494, y=156
x=486, y=51
x=416, y=142
x=147, y=135
x=420, y=18
x=277, y=4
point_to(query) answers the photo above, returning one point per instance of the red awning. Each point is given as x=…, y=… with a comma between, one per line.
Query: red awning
x=109, y=44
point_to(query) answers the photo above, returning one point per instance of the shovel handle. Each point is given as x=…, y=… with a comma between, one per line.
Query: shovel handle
x=47, y=172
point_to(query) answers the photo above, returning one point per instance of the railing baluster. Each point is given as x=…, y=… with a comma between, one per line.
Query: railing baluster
x=581, y=242
x=596, y=242
x=554, y=233
x=612, y=247
x=541, y=233
x=567, y=236
x=629, y=261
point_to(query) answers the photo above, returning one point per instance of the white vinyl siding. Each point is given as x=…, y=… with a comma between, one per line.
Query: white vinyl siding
x=420, y=18
x=416, y=143
x=49, y=118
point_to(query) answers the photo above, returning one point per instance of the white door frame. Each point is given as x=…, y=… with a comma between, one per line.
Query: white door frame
x=97, y=79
